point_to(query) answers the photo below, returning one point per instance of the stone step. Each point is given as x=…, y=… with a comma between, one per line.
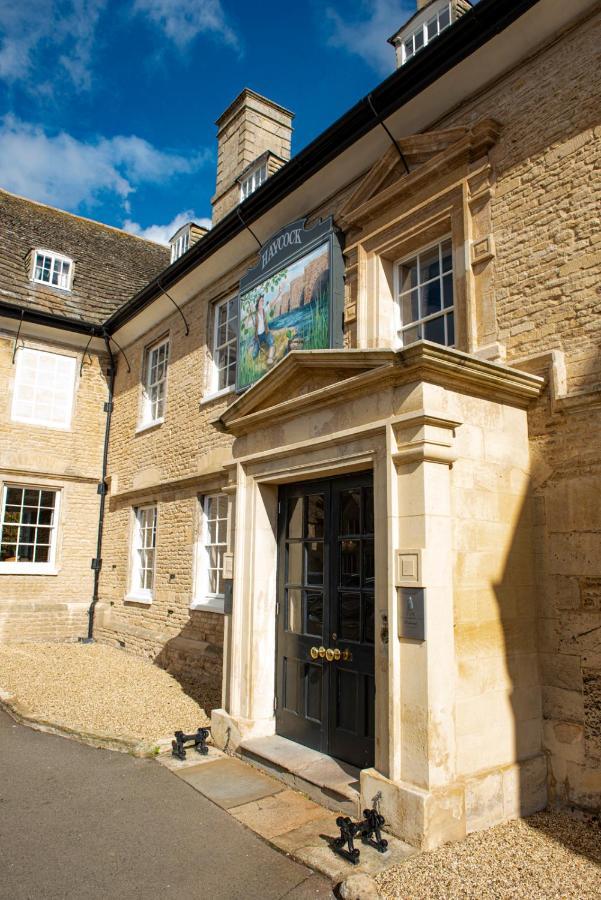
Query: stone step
x=327, y=781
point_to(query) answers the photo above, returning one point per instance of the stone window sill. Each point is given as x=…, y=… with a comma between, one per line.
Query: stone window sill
x=209, y=604
x=28, y=569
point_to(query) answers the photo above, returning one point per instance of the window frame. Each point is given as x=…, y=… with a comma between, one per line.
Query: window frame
x=183, y=236
x=444, y=312
x=55, y=258
x=146, y=419
x=202, y=597
x=66, y=425
x=423, y=30
x=251, y=179
x=33, y=568
x=136, y=591
x=213, y=386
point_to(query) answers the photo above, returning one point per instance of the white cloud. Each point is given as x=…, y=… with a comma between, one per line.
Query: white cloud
x=161, y=233
x=66, y=172
x=367, y=37
x=66, y=29
x=182, y=22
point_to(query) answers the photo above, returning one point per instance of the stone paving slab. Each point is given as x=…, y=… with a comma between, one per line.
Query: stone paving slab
x=286, y=818
x=275, y=815
x=229, y=782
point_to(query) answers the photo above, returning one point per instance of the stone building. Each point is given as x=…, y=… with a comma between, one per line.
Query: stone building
x=61, y=276
x=381, y=559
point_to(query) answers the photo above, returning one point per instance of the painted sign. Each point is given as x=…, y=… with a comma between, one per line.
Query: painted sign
x=289, y=300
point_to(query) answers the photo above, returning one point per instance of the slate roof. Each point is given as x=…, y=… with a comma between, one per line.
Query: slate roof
x=109, y=265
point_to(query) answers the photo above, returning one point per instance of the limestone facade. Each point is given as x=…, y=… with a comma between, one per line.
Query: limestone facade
x=51, y=607
x=484, y=458
x=509, y=677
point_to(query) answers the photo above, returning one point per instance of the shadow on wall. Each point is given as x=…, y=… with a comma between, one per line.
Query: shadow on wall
x=546, y=692
x=566, y=488
x=195, y=664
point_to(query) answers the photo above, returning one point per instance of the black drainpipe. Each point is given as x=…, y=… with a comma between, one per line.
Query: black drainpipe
x=97, y=561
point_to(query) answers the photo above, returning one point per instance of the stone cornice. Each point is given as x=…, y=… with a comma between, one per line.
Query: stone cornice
x=263, y=406
x=362, y=205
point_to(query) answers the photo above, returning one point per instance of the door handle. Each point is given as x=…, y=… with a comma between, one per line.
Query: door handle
x=317, y=652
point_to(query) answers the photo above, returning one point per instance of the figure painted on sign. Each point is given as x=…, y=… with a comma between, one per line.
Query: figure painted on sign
x=263, y=336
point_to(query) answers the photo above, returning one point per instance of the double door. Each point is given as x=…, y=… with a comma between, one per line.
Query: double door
x=325, y=685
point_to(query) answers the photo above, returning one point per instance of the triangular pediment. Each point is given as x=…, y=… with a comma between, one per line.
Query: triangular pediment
x=303, y=378
x=410, y=159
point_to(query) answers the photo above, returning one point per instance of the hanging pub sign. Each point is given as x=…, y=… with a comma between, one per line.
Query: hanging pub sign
x=291, y=300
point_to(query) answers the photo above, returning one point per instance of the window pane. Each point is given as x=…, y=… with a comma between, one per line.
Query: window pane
x=14, y=495
x=432, y=28
x=450, y=330
x=447, y=256
x=314, y=613
x=430, y=298
x=429, y=264
x=350, y=512
x=314, y=563
x=410, y=307
x=434, y=330
x=295, y=563
x=409, y=275
x=42, y=554
x=447, y=289
x=8, y=553
x=294, y=619
x=315, y=515
x=444, y=18
x=295, y=517
x=349, y=563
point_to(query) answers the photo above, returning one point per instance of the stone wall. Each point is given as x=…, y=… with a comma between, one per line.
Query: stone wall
x=54, y=607
x=545, y=221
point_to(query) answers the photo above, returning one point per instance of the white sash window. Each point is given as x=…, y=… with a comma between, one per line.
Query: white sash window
x=44, y=388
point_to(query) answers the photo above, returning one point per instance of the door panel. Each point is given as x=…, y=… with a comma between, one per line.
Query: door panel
x=326, y=601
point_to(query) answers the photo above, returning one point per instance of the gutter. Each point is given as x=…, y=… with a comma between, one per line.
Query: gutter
x=102, y=490
x=11, y=311
x=468, y=34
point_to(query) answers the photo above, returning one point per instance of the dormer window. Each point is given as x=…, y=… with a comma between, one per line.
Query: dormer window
x=426, y=32
x=180, y=242
x=253, y=180
x=52, y=269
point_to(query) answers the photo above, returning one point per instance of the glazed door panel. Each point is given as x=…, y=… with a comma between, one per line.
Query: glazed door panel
x=325, y=682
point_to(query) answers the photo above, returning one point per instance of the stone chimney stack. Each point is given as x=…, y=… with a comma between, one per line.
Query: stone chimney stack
x=253, y=142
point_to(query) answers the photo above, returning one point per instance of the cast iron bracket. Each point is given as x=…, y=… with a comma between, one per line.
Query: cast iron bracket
x=200, y=743
x=369, y=830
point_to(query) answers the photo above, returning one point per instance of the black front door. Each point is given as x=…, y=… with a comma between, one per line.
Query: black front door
x=325, y=684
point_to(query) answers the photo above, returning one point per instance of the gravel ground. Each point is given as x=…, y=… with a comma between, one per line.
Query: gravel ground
x=549, y=856
x=99, y=689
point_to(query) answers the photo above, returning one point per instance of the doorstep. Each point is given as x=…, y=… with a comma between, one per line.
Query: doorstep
x=326, y=780
x=285, y=818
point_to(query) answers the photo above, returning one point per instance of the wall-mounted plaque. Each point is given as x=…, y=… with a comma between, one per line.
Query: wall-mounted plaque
x=412, y=613
x=291, y=300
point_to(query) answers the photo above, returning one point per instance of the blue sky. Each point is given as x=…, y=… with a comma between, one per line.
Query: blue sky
x=107, y=108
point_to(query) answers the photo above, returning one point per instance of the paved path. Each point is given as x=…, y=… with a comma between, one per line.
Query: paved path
x=82, y=823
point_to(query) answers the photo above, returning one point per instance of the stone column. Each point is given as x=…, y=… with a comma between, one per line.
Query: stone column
x=251, y=649
x=418, y=798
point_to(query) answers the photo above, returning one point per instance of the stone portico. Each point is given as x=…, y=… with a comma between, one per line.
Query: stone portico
x=458, y=721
